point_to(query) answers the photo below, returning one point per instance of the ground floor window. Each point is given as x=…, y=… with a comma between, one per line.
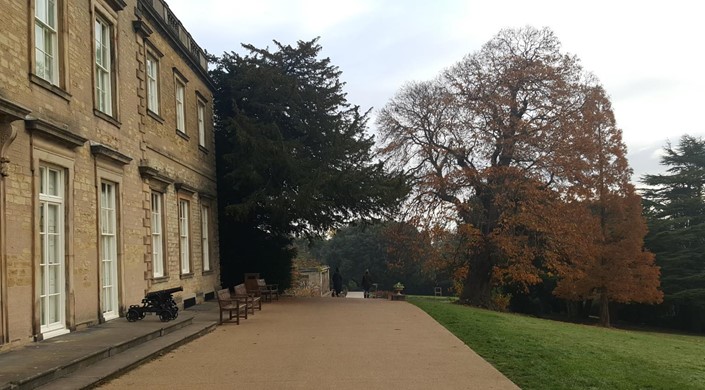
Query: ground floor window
x=184, y=242
x=205, y=246
x=52, y=293
x=157, y=236
x=108, y=243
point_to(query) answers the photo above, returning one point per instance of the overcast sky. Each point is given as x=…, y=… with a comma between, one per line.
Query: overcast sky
x=647, y=54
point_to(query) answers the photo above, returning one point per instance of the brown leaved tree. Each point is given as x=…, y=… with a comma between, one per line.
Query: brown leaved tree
x=510, y=144
x=612, y=266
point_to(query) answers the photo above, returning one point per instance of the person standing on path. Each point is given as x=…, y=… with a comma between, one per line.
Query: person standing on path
x=366, y=283
x=337, y=283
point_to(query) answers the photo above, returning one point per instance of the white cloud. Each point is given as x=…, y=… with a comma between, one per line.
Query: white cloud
x=647, y=54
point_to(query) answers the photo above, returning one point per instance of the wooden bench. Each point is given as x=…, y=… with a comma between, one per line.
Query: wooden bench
x=260, y=288
x=250, y=298
x=230, y=304
x=268, y=290
x=252, y=287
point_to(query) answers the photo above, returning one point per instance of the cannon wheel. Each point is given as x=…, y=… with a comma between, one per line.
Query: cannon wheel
x=174, y=312
x=133, y=315
x=165, y=315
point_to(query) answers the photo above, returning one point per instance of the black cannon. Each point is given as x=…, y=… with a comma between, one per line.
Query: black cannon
x=159, y=302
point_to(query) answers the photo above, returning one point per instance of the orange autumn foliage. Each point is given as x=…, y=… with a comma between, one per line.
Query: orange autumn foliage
x=615, y=267
x=514, y=149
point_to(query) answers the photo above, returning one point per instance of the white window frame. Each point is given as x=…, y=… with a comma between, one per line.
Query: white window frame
x=180, y=94
x=109, y=252
x=152, y=65
x=201, y=115
x=184, y=242
x=102, y=29
x=157, y=235
x=46, y=40
x=205, y=238
x=49, y=197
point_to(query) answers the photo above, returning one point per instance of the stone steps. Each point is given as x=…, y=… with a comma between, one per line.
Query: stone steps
x=85, y=358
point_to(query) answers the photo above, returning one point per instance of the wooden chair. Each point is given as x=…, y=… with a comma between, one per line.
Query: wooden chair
x=250, y=298
x=230, y=304
x=437, y=291
x=268, y=290
x=252, y=287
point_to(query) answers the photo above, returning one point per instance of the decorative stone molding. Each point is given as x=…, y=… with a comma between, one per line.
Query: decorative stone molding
x=141, y=28
x=163, y=20
x=117, y=5
x=110, y=154
x=206, y=195
x=185, y=188
x=9, y=112
x=58, y=132
x=157, y=180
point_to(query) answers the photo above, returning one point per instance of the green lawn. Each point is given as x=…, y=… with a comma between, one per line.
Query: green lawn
x=542, y=354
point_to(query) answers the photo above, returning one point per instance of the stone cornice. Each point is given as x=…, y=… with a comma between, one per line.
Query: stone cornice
x=141, y=28
x=206, y=195
x=60, y=132
x=183, y=187
x=152, y=173
x=10, y=112
x=110, y=154
x=169, y=25
x=117, y=5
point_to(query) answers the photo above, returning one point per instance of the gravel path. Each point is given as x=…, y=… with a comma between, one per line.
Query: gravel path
x=322, y=343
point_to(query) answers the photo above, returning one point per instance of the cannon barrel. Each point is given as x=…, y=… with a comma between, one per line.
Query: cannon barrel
x=167, y=291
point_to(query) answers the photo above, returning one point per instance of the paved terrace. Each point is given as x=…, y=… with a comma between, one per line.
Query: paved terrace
x=323, y=343
x=294, y=343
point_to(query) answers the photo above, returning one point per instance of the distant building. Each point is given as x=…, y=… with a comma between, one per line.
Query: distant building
x=107, y=162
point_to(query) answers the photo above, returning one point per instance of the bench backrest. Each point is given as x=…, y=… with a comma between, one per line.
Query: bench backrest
x=223, y=296
x=240, y=289
x=251, y=284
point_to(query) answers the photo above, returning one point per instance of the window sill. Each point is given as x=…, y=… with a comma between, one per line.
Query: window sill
x=155, y=116
x=160, y=279
x=182, y=135
x=107, y=118
x=203, y=149
x=209, y=272
x=186, y=276
x=56, y=90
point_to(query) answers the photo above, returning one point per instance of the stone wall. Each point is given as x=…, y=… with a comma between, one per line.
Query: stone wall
x=134, y=149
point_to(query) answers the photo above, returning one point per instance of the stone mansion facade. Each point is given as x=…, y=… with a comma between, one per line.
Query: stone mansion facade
x=107, y=164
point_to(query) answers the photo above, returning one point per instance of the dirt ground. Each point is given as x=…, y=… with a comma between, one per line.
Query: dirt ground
x=322, y=343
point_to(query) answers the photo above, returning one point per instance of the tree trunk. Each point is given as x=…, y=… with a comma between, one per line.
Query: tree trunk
x=477, y=289
x=604, y=310
x=579, y=310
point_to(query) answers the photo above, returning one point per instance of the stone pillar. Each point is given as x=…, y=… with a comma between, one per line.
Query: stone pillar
x=9, y=112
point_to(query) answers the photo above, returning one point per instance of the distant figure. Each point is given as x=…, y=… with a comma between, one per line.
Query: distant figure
x=337, y=283
x=367, y=283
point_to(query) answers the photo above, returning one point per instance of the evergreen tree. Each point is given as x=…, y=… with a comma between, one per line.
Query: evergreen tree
x=293, y=155
x=675, y=210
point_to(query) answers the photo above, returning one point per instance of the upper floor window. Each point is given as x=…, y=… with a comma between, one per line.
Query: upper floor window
x=201, y=113
x=46, y=40
x=152, y=83
x=180, y=117
x=103, y=66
